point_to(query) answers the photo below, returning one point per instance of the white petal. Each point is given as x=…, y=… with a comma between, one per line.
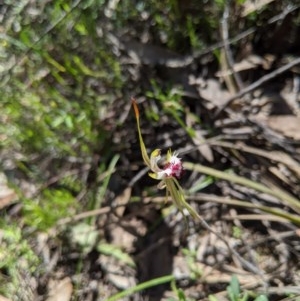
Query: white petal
x=174, y=159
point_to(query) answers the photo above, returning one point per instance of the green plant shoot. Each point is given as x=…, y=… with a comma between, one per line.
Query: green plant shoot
x=169, y=174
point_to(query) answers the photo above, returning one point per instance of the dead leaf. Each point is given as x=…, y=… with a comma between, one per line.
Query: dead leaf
x=276, y=156
x=62, y=291
x=122, y=200
x=120, y=281
x=199, y=140
x=4, y=299
x=211, y=91
x=251, y=6
x=288, y=125
x=7, y=195
x=250, y=62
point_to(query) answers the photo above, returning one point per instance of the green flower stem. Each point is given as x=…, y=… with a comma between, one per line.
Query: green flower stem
x=233, y=202
x=274, y=191
x=141, y=287
x=142, y=144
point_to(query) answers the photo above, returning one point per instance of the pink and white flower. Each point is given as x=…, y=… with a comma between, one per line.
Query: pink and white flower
x=172, y=168
x=169, y=174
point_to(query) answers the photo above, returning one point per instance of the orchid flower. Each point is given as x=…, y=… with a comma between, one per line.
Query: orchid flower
x=168, y=174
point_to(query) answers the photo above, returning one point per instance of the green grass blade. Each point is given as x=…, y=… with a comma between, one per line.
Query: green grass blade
x=141, y=286
x=276, y=192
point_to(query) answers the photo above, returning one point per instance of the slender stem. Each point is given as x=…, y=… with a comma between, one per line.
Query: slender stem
x=276, y=192
x=141, y=286
x=293, y=218
x=142, y=144
x=264, y=79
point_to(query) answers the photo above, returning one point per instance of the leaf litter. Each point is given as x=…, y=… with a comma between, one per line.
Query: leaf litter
x=140, y=235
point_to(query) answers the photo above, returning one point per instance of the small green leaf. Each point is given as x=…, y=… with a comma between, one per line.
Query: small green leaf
x=233, y=289
x=178, y=291
x=112, y=250
x=181, y=295
x=85, y=236
x=69, y=122
x=261, y=298
x=212, y=298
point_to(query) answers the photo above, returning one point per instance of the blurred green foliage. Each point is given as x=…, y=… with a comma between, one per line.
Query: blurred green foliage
x=16, y=259
x=61, y=80
x=52, y=206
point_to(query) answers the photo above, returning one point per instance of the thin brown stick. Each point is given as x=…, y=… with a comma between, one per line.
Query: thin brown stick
x=83, y=215
x=263, y=80
x=227, y=49
x=251, y=267
x=246, y=33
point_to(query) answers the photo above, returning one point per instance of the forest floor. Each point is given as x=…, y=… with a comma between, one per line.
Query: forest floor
x=80, y=217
